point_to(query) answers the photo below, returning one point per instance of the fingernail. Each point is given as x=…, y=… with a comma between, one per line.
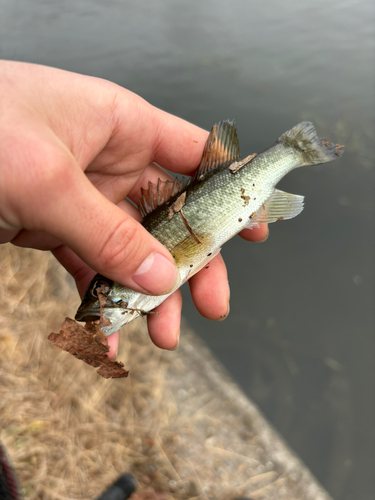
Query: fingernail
x=264, y=239
x=113, y=356
x=224, y=316
x=177, y=343
x=156, y=275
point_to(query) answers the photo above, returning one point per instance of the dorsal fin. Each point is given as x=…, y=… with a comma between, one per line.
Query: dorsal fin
x=157, y=194
x=221, y=146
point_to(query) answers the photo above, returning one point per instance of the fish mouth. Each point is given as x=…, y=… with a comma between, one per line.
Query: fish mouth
x=87, y=315
x=92, y=313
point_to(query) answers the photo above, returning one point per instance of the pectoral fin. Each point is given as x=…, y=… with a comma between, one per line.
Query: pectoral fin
x=279, y=206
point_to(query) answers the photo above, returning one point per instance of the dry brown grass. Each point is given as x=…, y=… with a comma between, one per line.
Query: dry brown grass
x=177, y=422
x=68, y=431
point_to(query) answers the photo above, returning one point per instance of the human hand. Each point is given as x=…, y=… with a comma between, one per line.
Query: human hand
x=72, y=148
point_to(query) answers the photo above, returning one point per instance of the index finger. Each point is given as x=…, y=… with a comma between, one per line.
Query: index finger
x=178, y=145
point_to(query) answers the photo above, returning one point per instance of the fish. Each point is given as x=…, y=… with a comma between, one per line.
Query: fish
x=194, y=219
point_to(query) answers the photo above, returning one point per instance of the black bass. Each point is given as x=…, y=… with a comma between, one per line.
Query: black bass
x=194, y=220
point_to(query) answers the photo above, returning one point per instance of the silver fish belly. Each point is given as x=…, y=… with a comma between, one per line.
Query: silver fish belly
x=194, y=220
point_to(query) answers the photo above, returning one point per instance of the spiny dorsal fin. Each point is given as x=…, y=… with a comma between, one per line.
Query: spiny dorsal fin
x=221, y=146
x=159, y=193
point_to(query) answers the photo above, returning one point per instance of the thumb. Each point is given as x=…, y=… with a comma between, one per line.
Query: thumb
x=104, y=236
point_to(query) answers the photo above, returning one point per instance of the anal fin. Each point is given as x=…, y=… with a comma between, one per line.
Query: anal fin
x=279, y=206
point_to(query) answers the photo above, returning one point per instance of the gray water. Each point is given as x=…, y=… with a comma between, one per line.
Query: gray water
x=300, y=336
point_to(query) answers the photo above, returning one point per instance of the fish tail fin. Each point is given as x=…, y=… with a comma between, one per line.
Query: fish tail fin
x=311, y=148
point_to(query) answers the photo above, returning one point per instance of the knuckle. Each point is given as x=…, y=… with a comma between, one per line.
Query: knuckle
x=37, y=164
x=123, y=247
x=34, y=170
x=51, y=167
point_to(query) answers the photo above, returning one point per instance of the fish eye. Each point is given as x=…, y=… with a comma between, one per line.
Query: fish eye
x=98, y=284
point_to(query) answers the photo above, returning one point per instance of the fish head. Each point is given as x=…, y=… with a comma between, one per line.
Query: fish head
x=89, y=310
x=107, y=302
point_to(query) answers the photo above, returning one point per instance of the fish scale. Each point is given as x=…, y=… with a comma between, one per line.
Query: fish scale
x=226, y=196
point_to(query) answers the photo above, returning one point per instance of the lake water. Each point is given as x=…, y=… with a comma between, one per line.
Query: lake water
x=300, y=335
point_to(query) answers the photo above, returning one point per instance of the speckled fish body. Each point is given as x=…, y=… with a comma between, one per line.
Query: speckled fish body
x=226, y=196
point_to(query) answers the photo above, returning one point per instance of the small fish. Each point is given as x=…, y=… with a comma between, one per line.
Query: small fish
x=193, y=220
